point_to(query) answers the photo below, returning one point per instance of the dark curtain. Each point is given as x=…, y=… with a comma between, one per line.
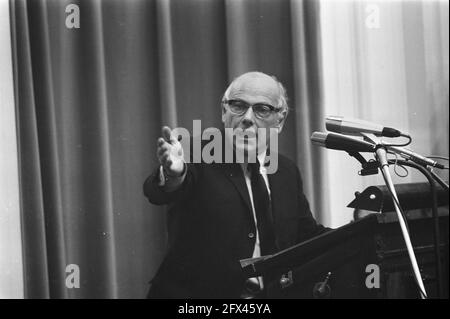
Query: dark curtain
x=90, y=103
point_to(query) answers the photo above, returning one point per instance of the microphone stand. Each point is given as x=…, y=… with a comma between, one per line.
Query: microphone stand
x=384, y=166
x=436, y=233
x=438, y=179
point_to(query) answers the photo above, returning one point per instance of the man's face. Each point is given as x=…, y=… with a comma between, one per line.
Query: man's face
x=253, y=90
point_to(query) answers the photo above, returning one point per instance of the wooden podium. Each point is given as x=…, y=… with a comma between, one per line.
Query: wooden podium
x=300, y=271
x=345, y=262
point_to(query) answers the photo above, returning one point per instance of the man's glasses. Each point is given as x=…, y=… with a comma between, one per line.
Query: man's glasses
x=261, y=110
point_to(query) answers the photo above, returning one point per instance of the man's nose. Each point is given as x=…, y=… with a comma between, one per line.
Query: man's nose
x=249, y=117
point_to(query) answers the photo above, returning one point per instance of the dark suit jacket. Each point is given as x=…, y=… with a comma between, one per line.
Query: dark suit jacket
x=211, y=227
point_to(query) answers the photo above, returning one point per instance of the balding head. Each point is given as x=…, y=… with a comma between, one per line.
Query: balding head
x=258, y=83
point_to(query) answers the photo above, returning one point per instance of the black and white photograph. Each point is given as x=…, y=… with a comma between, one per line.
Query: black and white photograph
x=241, y=151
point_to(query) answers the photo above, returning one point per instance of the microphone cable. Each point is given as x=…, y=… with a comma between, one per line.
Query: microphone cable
x=396, y=164
x=402, y=144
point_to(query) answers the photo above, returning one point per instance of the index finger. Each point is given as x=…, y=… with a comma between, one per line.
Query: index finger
x=167, y=134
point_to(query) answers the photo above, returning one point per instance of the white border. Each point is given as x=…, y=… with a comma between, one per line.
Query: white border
x=11, y=267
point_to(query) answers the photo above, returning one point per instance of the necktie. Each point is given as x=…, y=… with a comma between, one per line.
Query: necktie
x=263, y=210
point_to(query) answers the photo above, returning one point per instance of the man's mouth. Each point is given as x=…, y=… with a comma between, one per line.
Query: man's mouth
x=246, y=134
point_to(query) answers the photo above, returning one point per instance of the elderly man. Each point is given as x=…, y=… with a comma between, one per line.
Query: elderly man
x=220, y=213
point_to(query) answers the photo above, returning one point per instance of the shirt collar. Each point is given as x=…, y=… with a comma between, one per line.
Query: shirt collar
x=261, y=159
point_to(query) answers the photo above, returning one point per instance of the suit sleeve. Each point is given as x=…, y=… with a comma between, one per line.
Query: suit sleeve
x=155, y=193
x=308, y=227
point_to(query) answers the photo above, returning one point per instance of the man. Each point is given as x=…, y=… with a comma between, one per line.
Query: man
x=220, y=213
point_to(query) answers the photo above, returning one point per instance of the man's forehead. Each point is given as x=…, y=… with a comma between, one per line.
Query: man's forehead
x=256, y=85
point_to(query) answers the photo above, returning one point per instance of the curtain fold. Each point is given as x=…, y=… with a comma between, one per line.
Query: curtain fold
x=81, y=137
x=166, y=67
x=36, y=277
x=309, y=113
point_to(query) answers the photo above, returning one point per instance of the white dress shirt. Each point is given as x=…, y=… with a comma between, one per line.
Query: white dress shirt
x=247, y=175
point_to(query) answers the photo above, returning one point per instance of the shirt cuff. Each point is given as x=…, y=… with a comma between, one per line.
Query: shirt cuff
x=174, y=181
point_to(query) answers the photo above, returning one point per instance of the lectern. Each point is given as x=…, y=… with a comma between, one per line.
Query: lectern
x=341, y=263
x=366, y=258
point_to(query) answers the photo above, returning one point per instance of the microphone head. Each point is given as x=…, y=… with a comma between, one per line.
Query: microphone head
x=341, y=142
x=319, y=138
x=333, y=123
x=351, y=126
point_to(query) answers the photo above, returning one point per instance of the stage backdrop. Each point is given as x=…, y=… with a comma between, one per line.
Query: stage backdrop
x=90, y=103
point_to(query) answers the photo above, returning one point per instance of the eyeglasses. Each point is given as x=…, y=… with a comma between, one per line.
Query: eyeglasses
x=261, y=110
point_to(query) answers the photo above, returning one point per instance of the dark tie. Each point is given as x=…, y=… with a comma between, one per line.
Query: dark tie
x=263, y=211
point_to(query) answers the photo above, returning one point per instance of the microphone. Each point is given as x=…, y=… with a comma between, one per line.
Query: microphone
x=410, y=155
x=345, y=125
x=341, y=142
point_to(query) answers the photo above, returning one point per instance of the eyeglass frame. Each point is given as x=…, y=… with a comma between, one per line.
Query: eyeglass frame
x=273, y=110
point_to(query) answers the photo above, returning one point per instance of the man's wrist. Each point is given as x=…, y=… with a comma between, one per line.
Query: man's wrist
x=170, y=176
x=170, y=181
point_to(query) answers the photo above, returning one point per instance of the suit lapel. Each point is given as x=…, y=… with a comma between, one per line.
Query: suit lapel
x=236, y=176
x=280, y=193
x=234, y=173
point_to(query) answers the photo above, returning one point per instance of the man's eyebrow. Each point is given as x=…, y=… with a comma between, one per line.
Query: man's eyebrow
x=238, y=99
x=242, y=100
